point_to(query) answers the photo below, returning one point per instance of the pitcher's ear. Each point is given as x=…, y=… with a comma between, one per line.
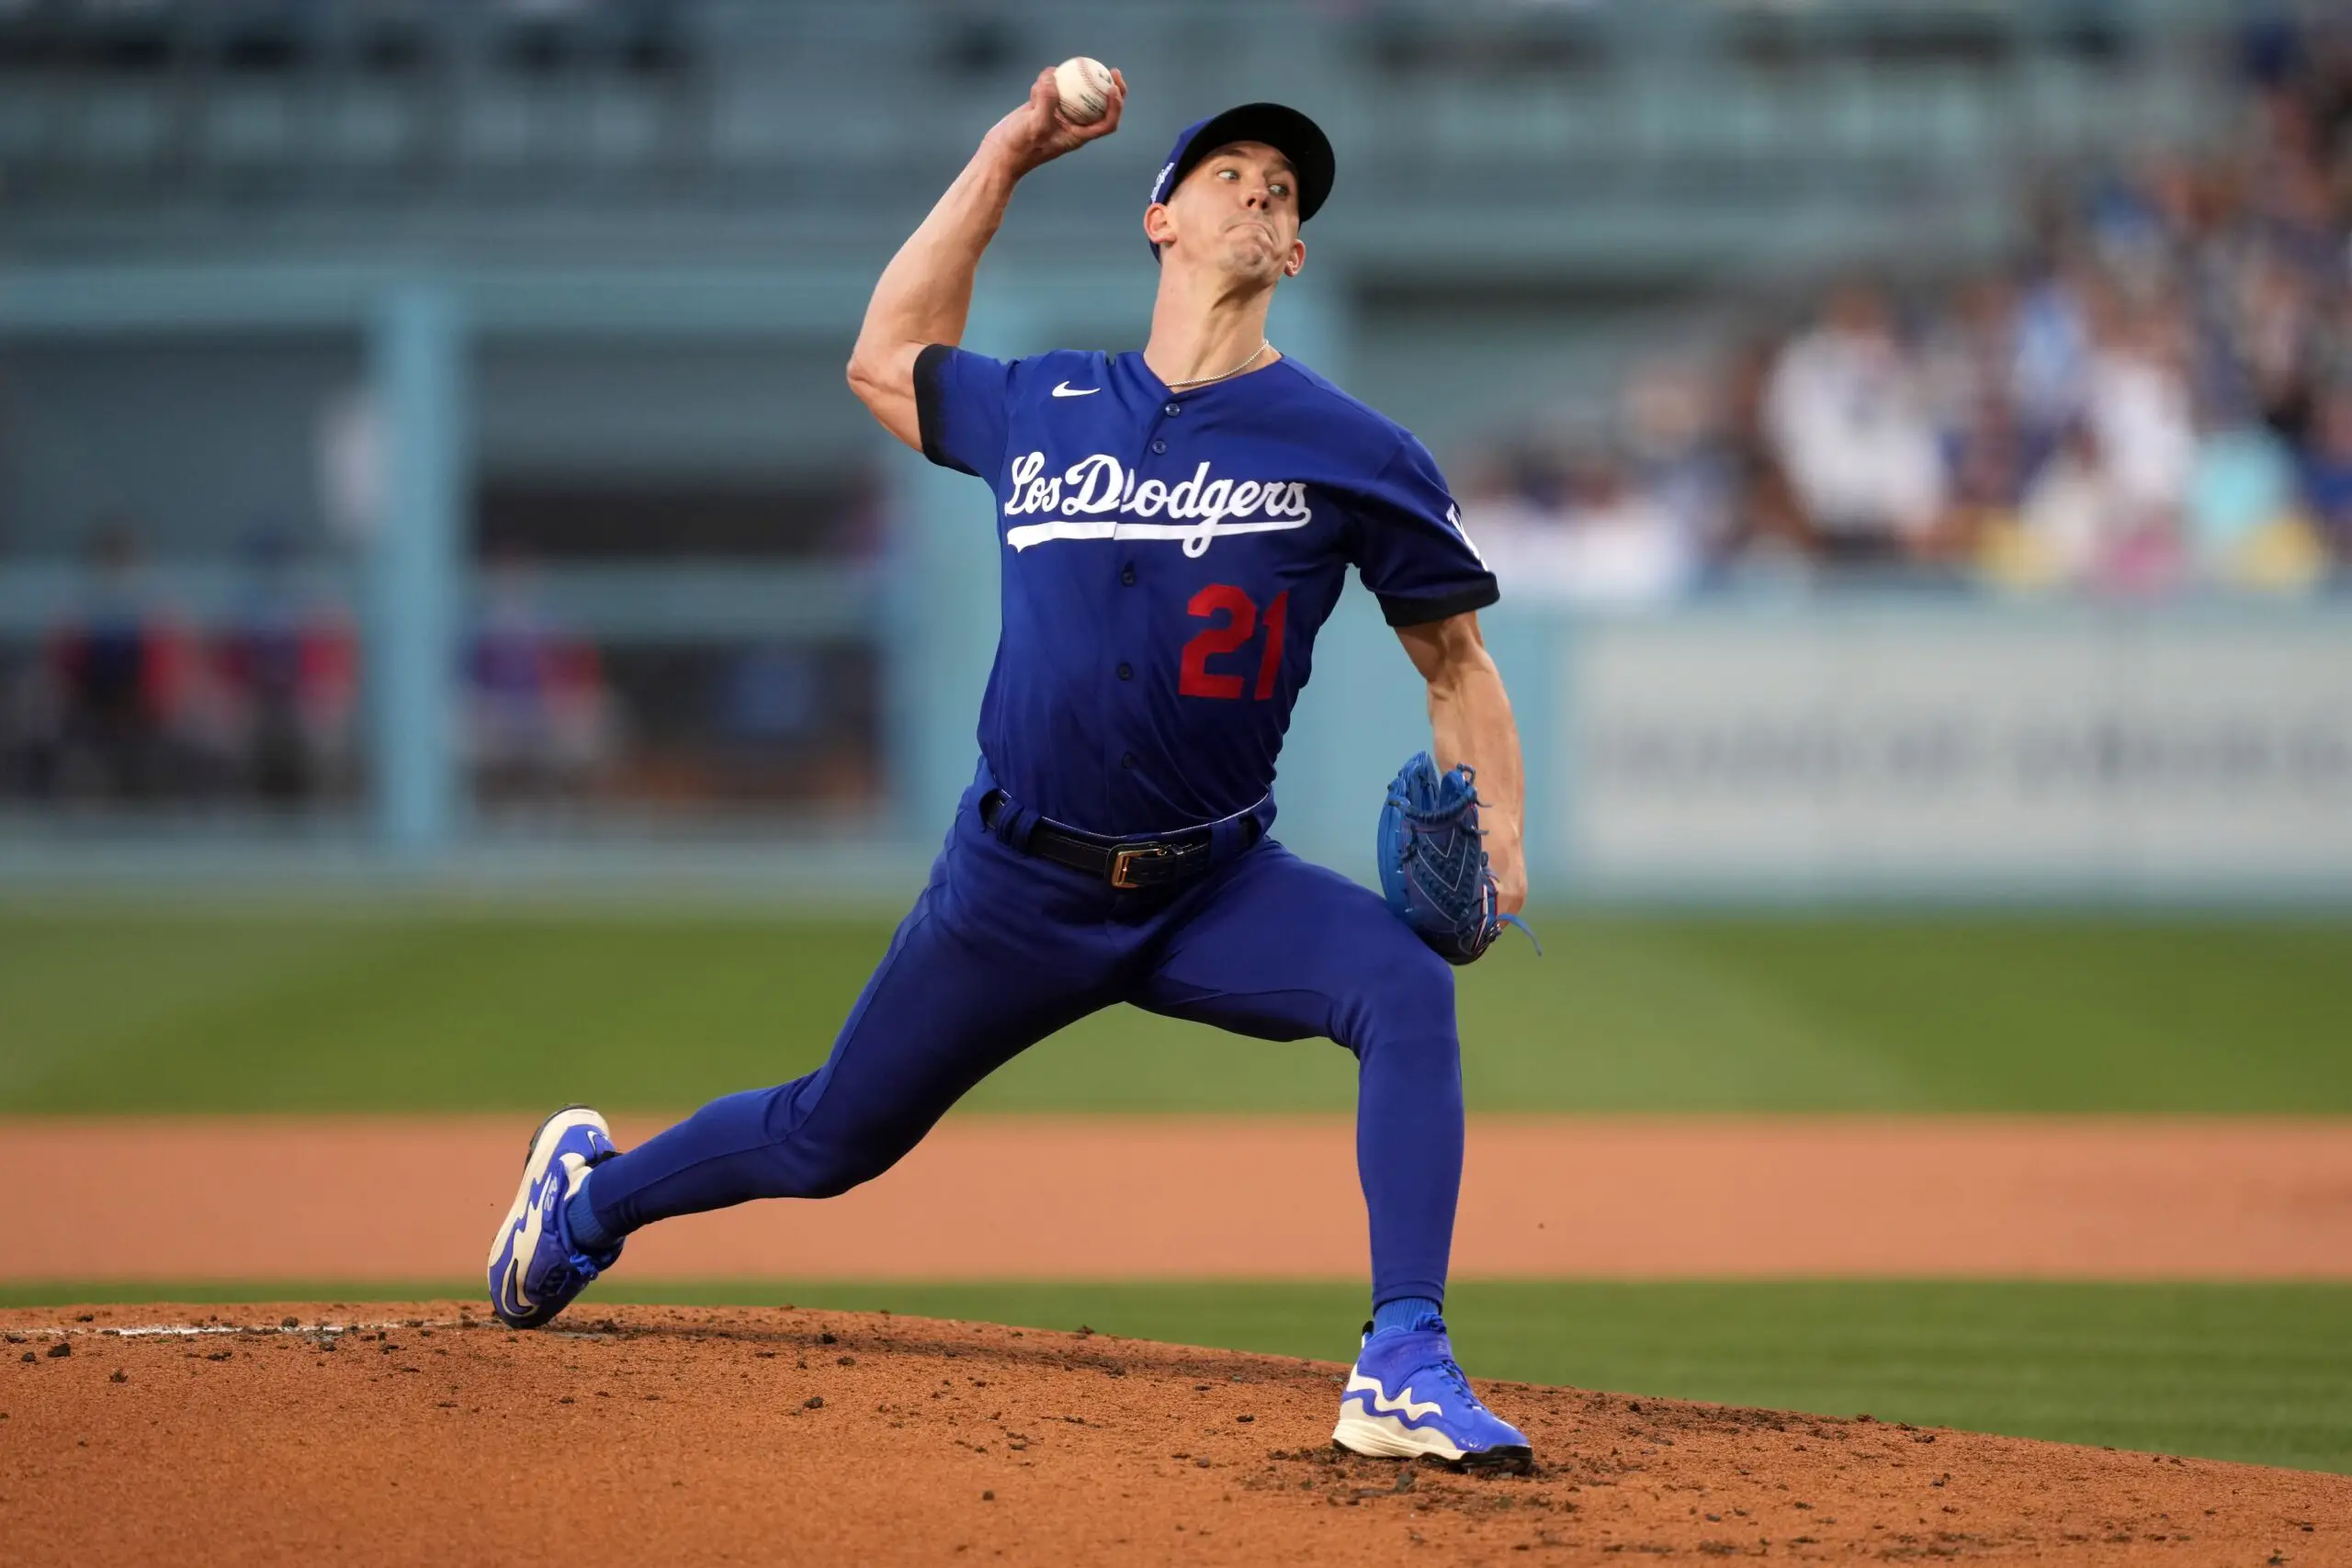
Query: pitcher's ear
x=1159, y=227
x=1298, y=263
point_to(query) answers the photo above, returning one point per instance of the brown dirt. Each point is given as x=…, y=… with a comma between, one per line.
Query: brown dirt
x=679, y=1435
x=1152, y=1198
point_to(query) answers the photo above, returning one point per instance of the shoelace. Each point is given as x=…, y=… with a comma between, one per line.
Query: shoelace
x=1451, y=1371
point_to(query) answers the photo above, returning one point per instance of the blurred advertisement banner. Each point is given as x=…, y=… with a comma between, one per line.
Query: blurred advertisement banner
x=1931, y=751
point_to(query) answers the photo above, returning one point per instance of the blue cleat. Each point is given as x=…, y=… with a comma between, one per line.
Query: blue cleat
x=1408, y=1399
x=534, y=1268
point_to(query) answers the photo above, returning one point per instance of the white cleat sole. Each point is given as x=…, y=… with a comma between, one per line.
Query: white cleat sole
x=1378, y=1436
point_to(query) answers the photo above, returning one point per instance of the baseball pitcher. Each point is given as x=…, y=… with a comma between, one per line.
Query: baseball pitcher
x=1173, y=528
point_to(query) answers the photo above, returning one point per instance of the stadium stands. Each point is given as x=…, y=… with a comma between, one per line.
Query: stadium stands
x=599, y=261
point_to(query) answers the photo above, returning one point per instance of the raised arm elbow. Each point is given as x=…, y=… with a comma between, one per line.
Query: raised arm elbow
x=865, y=377
x=884, y=381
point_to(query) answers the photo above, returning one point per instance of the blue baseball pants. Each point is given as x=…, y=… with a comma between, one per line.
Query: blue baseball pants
x=1003, y=949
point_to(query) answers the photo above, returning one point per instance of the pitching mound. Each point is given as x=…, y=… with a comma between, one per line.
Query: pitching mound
x=677, y=1435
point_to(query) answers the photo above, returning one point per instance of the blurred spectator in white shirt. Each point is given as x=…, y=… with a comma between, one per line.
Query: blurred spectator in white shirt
x=2070, y=514
x=1847, y=412
x=2137, y=402
x=2082, y=525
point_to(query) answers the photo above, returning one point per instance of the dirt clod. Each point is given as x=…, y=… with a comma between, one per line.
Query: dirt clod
x=60, y=1350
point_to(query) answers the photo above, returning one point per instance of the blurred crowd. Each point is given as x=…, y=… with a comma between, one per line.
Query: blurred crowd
x=129, y=701
x=156, y=688
x=2156, y=399
x=133, y=700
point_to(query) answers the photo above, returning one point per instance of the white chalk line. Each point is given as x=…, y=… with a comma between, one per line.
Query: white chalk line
x=190, y=1330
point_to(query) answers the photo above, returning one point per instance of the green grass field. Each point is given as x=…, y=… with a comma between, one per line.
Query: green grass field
x=108, y=1010
x=409, y=1007
x=2260, y=1373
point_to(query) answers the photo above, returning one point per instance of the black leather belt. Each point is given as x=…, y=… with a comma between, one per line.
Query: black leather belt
x=1122, y=863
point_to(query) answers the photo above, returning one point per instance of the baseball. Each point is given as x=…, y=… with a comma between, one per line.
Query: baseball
x=1084, y=84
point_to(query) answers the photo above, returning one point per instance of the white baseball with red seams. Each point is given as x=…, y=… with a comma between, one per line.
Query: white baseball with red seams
x=1084, y=85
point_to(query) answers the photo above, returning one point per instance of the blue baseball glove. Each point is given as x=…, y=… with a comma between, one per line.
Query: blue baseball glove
x=1433, y=862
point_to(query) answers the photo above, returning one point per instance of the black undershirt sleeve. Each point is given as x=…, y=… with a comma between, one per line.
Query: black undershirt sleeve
x=927, y=416
x=1420, y=611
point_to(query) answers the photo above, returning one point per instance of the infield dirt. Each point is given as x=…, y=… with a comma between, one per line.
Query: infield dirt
x=1126, y=1197
x=422, y=1433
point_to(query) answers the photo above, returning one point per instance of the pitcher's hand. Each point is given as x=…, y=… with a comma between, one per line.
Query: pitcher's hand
x=1037, y=133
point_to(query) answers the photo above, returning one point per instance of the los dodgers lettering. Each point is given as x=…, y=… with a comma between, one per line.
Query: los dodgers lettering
x=1099, y=484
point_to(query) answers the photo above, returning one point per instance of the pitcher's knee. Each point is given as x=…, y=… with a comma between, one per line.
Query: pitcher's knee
x=824, y=1170
x=1407, y=997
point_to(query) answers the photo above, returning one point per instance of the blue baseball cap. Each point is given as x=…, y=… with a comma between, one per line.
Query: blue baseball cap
x=1285, y=130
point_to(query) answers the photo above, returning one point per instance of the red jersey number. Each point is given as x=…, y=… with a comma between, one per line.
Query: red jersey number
x=1239, y=623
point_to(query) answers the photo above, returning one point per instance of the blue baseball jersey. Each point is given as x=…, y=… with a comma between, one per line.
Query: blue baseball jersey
x=1167, y=560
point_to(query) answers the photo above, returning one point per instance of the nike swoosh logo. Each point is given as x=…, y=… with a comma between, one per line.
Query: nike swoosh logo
x=535, y=1224
x=526, y=1243
x=1403, y=1404
x=1066, y=390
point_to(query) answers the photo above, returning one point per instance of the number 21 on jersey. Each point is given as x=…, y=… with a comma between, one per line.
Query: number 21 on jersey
x=1233, y=618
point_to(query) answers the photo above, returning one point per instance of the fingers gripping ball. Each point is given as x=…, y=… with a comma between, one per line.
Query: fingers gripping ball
x=1433, y=862
x=1083, y=84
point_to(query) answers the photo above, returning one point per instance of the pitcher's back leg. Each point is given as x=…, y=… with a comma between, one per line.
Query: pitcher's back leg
x=976, y=973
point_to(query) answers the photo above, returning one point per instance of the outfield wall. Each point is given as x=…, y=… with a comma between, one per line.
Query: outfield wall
x=1887, y=746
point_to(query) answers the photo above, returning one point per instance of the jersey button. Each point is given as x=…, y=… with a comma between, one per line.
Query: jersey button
x=1127, y=575
x=1128, y=760
x=1126, y=671
x=1159, y=446
x=1173, y=409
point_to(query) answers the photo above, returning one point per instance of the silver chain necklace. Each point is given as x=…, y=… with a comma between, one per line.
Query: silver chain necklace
x=1263, y=344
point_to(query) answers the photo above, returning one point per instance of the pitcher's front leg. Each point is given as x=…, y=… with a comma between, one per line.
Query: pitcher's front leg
x=1280, y=948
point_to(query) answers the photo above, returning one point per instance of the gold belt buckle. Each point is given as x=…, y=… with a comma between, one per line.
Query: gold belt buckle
x=1122, y=859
